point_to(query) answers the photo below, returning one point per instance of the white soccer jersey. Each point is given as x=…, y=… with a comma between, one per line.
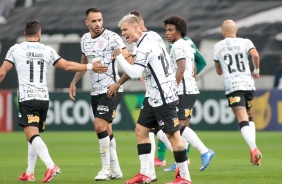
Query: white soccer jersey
x=181, y=49
x=101, y=48
x=158, y=75
x=232, y=53
x=31, y=60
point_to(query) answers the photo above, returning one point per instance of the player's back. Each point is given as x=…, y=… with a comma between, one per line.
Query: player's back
x=232, y=53
x=31, y=60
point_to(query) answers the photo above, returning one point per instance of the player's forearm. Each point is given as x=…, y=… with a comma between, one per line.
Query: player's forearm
x=133, y=71
x=123, y=79
x=2, y=75
x=77, y=77
x=179, y=76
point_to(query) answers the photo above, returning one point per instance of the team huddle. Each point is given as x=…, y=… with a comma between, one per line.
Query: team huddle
x=171, y=91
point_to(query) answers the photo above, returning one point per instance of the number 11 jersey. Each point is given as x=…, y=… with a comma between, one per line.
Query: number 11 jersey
x=232, y=54
x=31, y=60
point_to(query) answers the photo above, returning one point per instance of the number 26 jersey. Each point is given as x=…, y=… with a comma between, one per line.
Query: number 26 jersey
x=232, y=54
x=31, y=60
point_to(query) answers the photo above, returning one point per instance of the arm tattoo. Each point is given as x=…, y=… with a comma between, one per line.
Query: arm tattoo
x=123, y=78
x=79, y=75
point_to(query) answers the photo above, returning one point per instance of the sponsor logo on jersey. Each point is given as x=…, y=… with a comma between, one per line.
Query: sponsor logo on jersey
x=188, y=112
x=175, y=122
x=233, y=100
x=33, y=119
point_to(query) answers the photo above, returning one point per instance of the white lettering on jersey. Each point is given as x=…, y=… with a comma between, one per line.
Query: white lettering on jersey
x=232, y=53
x=31, y=60
x=101, y=48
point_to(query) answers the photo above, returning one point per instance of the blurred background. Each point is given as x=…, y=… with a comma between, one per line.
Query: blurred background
x=63, y=25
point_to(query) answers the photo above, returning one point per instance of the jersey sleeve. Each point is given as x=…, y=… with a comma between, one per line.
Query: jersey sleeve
x=179, y=52
x=53, y=55
x=249, y=45
x=215, y=56
x=9, y=56
x=119, y=41
x=142, y=56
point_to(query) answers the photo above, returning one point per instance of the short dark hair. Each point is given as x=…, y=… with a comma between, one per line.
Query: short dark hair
x=179, y=22
x=94, y=10
x=32, y=28
x=136, y=13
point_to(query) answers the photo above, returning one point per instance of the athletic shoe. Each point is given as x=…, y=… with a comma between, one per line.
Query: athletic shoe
x=27, y=177
x=256, y=156
x=180, y=180
x=153, y=178
x=103, y=174
x=170, y=168
x=116, y=175
x=177, y=173
x=206, y=158
x=51, y=173
x=159, y=163
x=139, y=179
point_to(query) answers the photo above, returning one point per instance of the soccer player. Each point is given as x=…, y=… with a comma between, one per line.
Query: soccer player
x=231, y=60
x=31, y=60
x=161, y=151
x=159, y=105
x=98, y=44
x=183, y=66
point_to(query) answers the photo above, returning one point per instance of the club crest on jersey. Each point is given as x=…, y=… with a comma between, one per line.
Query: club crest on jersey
x=175, y=122
x=100, y=44
x=234, y=99
x=32, y=119
x=188, y=112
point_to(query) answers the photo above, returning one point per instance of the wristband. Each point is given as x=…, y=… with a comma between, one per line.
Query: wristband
x=89, y=66
x=256, y=70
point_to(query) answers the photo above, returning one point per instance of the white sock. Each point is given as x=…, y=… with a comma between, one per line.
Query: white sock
x=248, y=136
x=31, y=158
x=184, y=171
x=253, y=127
x=162, y=136
x=145, y=164
x=42, y=152
x=152, y=154
x=105, y=152
x=191, y=137
x=115, y=167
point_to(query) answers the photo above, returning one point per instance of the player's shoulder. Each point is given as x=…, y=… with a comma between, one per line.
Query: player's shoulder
x=86, y=36
x=109, y=32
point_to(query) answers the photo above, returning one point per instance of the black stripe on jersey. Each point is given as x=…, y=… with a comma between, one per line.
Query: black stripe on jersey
x=184, y=86
x=180, y=59
x=140, y=64
x=158, y=83
x=10, y=62
x=141, y=40
x=113, y=68
x=56, y=61
x=251, y=49
x=216, y=61
x=123, y=48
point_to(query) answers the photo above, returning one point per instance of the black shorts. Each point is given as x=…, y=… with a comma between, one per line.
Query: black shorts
x=185, y=106
x=241, y=98
x=33, y=113
x=163, y=117
x=104, y=107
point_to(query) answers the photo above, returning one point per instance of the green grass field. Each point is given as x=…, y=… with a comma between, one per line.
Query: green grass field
x=77, y=154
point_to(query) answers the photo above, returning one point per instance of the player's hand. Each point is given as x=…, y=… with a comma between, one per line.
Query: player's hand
x=98, y=67
x=72, y=91
x=255, y=75
x=117, y=51
x=113, y=90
